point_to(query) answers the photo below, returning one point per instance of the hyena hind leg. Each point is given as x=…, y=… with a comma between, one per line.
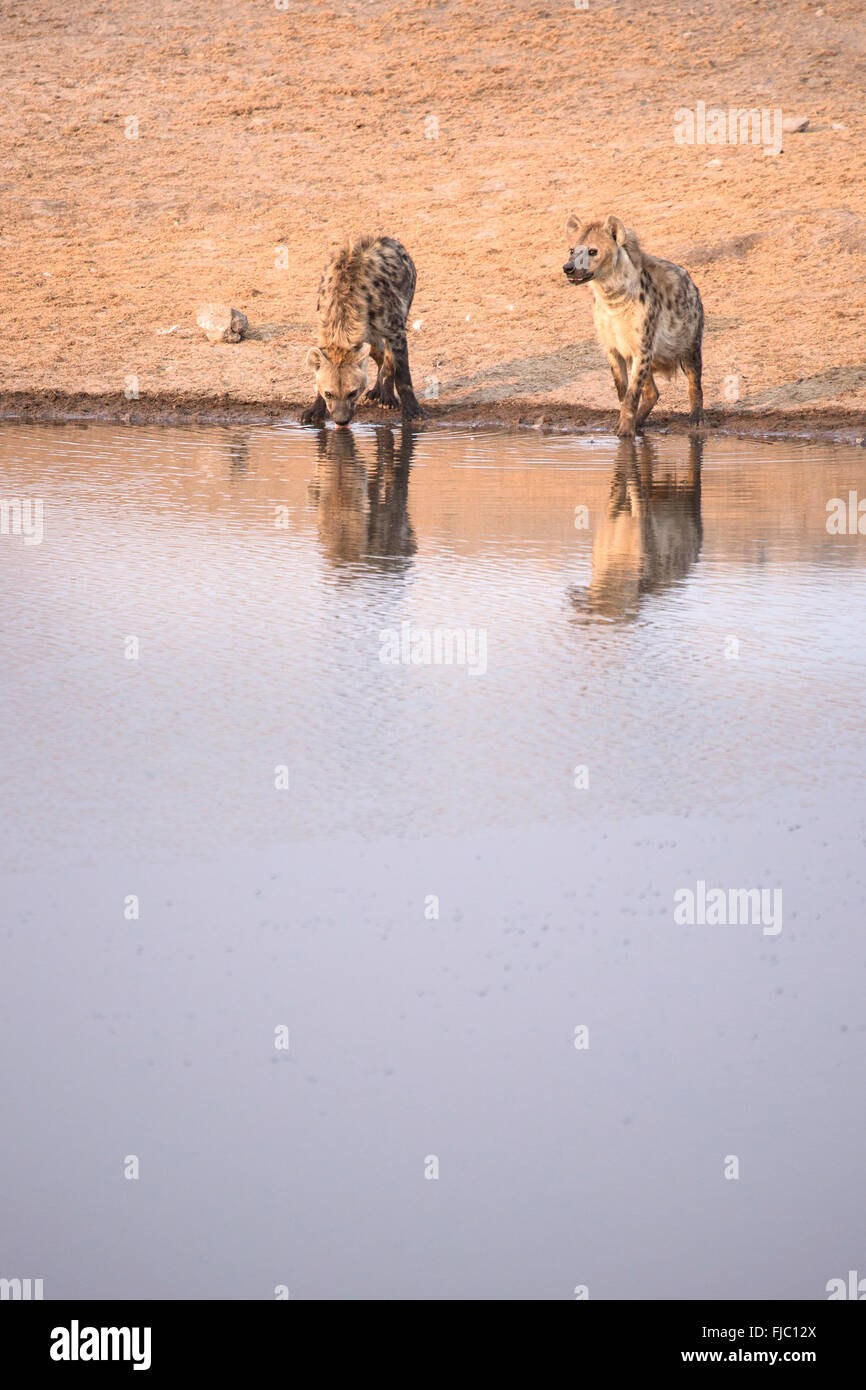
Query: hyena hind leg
x=692, y=368
x=649, y=396
x=412, y=409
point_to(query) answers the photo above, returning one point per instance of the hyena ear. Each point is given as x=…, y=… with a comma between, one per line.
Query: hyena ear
x=615, y=228
x=315, y=358
x=572, y=225
x=362, y=351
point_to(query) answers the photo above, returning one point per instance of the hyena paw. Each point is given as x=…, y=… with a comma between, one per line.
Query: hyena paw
x=412, y=410
x=311, y=416
x=384, y=397
x=625, y=427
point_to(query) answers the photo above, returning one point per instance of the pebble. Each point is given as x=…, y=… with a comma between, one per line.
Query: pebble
x=222, y=324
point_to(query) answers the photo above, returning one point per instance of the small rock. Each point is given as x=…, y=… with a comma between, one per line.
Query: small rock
x=222, y=324
x=714, y=164
x=792, y=124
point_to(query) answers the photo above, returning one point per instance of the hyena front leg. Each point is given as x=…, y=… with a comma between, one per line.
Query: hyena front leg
x=387, y=395
x=648, y=399
x=640, y=369
x=383, y=391
x=692, y=368
x=616, y=362
x=377, y=352
x=316, y=413
x=408, y=400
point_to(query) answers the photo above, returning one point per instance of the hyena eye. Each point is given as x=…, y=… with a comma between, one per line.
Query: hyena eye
x=592, y=251
x=329, y=395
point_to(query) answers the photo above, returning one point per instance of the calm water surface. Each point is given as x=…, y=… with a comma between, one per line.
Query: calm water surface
x=221, y=696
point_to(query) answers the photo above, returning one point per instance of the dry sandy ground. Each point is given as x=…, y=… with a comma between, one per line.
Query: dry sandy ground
x=469, y=131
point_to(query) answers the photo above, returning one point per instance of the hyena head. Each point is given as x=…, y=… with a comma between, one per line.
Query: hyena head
x=340, y=379
x=595, y=252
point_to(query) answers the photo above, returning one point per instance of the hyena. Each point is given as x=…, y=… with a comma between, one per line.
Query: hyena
x=648, y=316
x=365, y=295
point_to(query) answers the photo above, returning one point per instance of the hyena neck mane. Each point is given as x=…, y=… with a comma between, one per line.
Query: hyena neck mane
x=338, y=354
x=623, y=281
x=343, y=315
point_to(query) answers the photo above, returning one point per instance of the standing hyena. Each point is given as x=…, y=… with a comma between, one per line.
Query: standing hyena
x=364, y=300
x=648, y=316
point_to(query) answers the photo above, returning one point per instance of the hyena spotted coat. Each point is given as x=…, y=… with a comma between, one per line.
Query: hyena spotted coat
x=648, y=316
x=365, y=295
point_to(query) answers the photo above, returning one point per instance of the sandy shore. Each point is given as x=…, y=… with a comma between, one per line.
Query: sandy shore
x=161, y=158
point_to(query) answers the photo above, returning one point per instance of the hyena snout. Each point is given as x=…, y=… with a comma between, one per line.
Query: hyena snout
x=576, y=268
x=343, y=397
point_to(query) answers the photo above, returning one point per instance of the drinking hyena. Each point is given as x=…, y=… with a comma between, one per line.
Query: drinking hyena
x=648, y=316
x=364, y=300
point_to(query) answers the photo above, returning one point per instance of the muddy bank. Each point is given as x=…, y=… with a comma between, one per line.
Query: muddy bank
x=57, y=407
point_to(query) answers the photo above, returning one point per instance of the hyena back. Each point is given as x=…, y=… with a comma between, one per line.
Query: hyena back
x=365, y=295
x=648, y=316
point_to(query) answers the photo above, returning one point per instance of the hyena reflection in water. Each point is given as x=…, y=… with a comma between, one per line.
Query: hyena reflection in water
x=362, y=503
x=650, y=536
